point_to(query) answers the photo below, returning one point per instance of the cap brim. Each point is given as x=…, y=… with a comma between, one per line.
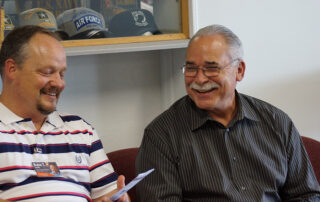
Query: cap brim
x=153, y=31
x=62, y=34
x=138, y=33
x=91, y=34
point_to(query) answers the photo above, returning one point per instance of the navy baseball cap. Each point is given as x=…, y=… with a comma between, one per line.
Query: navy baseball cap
x=134, y=22
x=82, y=23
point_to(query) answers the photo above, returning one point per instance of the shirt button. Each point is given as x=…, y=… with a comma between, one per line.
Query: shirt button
x=227, y=130
x=243, y=188
x=234, y=158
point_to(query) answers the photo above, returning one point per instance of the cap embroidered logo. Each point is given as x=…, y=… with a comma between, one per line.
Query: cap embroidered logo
x=139, y=18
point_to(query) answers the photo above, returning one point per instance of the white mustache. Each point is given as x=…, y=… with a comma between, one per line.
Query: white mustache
x=205, y=87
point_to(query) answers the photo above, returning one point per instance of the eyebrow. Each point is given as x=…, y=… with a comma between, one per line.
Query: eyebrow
x=206, y=63
x=211, y=63
x=190, y=63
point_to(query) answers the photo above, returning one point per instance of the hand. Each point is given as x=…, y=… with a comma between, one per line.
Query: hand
x=120, y=185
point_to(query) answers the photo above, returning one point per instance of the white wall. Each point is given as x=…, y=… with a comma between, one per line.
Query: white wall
x=117, y=93
x=120, y=93
x=282, y=52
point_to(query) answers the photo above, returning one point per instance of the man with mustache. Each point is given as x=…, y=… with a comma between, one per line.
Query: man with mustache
x=33, y=135
x=216, y=144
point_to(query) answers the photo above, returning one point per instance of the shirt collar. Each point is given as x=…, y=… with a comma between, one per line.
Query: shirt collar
x=200, y=116
x=7, y=117
x=55, y=119
x=245, y=109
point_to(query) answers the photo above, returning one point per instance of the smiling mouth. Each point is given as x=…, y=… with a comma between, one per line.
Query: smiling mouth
x=205, y=90
x=49, y=93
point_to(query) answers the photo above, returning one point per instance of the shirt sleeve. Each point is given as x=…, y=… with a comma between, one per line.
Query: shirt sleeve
x=301, y=183
x=102, y=176
x=162, y=184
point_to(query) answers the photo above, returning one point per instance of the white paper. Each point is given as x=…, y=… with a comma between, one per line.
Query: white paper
x=131, y=184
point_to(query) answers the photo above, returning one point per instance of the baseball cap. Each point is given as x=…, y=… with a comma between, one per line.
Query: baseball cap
x=38, y=16
x=133, y=22
x=8, y=24
x=82, y=23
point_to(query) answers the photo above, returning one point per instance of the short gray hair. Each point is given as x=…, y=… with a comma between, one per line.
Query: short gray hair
x=236, y=49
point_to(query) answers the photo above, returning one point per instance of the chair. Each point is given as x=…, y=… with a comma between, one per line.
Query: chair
x=313, y=149
x=123, y=162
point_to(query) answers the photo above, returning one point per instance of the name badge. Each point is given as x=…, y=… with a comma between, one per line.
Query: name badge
x=46, y=169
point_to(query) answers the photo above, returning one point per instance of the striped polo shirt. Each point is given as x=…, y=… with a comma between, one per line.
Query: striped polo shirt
x=67, y=140
x=259, y=156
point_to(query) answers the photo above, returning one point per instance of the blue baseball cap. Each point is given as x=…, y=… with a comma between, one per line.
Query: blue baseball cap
x=82, y=23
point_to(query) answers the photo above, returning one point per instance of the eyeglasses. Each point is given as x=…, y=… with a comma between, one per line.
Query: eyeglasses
x=209, y=70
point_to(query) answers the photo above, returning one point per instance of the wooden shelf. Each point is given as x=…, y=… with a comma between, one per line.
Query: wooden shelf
x=123, y=40
x=126, y=47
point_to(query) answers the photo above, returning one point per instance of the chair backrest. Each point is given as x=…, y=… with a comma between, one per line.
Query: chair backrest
x=313, y=149
x=123, y=162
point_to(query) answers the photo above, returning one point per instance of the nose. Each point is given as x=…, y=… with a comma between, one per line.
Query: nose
x=201, y=77
x=57, y=81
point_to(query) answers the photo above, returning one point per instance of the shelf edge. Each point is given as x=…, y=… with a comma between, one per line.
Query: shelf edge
x=121, y=48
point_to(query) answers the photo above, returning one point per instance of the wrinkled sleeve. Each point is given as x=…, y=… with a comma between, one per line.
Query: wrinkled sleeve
x=301, y=183
x=102, y=176
x=164, y=183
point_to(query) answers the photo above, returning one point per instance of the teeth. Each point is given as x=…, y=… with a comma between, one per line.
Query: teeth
x=52, y=94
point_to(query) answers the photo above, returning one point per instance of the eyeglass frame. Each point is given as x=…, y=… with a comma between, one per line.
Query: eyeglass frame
x=204, y=69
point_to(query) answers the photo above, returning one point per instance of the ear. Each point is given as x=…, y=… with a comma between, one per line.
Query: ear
x=10, y=68
x=241, y=70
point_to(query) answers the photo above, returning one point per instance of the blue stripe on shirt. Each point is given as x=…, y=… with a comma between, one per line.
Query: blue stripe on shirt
x=46, y=149
x=97, y=145
x=70, y=118
x=105, y=180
